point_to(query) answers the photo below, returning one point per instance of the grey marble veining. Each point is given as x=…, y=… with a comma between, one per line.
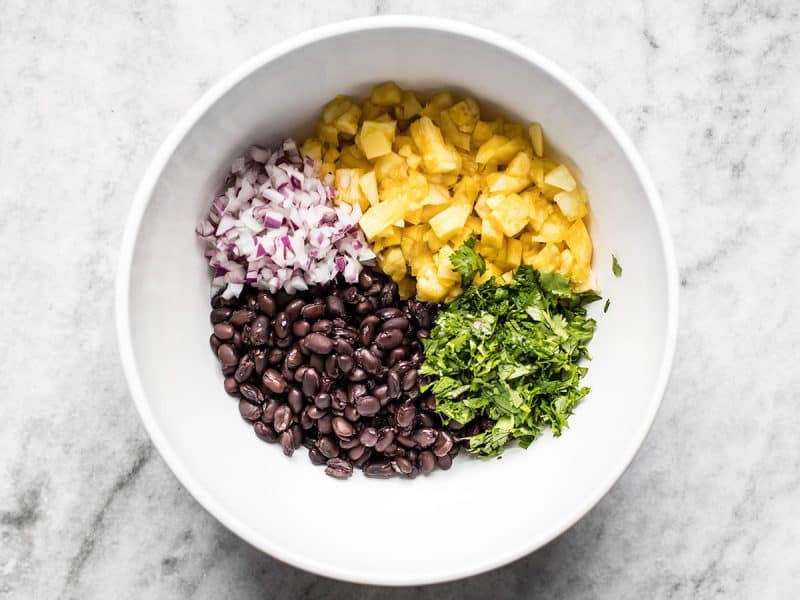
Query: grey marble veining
x=709, y=91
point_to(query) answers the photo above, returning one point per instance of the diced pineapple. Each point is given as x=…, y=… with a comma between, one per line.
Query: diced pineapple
x=375, y=138
x=540, y=209
x=561, y=178
x=335, y=109
x=571, y=204
x=537, y=172
x=413, y=215
x=501, y=183
x=377, y=218
x=312, y=148
x=514, y=252
x=437, y=195
x=492, y=270
x=445, y=268
x=579, y=241
x=352, y=158
x=465, y=115
x=507, y=276
x=509, y=150
x=433, y=242
x=481, y=208
x=369, y=187
x=491, y=233
x=386, y=94
x=511, y=211
x=391, y=236
x=489, y=148
x=422, y=262
x=437, y=156
x=407, y=288
x=481, y=134
x=390, y=166
x=513, y=130
x=370, y=111
x=567, y=262
x=450, y=220
x=328, y=134
x=548, y=259
x=438, y=102
x=430, y=211
x=346, y=182
x=347, y=122
x=473, y=224
x=520, y=166
x=430, y=289
x=537, y=139
x=409, y=106
x=554, y=229
x=392, y=262
x=452, y=133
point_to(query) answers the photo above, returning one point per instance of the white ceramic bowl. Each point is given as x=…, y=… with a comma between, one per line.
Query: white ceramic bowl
x=479, y=514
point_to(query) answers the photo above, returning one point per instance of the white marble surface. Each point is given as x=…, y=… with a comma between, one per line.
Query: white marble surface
x=709, y=92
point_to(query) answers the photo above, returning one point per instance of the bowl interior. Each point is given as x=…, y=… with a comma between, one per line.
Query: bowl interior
x=393, y=531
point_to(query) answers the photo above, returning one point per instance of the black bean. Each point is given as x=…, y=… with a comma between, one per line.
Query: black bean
x=287, y=442
x=429, y=403
x=293, y=309
x=368, y=406
x=385, y=439
x=381, y=393
x=405, y=415
x=322, y=400
x=215, y=343
x=284, y=342
x=358, y=374
x=274, y=381
x=368, y=436
x=316, y=456
x=313, y=311
x=259, y=361
x=295, y=400
x=409, y=380
x=218, y=315
x=241, y=317
x=315, y=413
x=339, y=399
x=351, y=414
x=319, y=343
x=338, y=468
x=356, y=452
x=245, y=369
x=322, y=326
x=390, y=339
x=335, y=306
x=363, y=307
x=224, y=331
x=387, y=313
x=249, y=411
x=328, y=446
x=400, y=323
x=331, y=368
x=380, y=469
x=349, y=294
x=281, y=325
x=345, y=363
x=266, y=304
x=259, y=331
x=425, y=420
x=310, y=382
x=265, y=432
x=306, y=422
x=443, y=444
x=366, y=360
x=427, y=461
x=283, y=418
x=301, y=327
x=228, y=357
x=269, y=411
x=365, y=280
x=231, y=386
x=324, y=424
x=444, y=462
x=343, y=347
x=395, y=356
x=317, y=363
x=389, y=294
x=275, y=356
x=251, y=393
x=342, y=427
x=405, y=440
x=393, y=384
x=425, y=436
x=403, y=465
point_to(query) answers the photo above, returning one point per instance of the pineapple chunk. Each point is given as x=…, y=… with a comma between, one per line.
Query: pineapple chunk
x=352, y=158
x=369, y=186
x=537, y=172
x=430, y=211
x=491, y=234
x=438, y=102
x=376, y=138
x=346, y=182
x=571, y=204
x=554, y=229
x=567, y=262
x=328, y=134
x=481, y=134
x=437, y=156
x=489, y=148
x=452, y=133
x=390, y=166
x=312, y=148
x=520, y=166
x=392, y=262
x=450, y=220
x=437, y=195
x=561, y=178
x=580, y=243
x=513, y=253
x=445, y=268
x=386, y=94
x=540, y=209
x=465, y=115
x=432, y=241
x=377, y=218
x=482, y=208
x=407, y=288
x=409, y=107
x=347, y=122
x=548, y=259
x=509, y=150
x=335, y=109
x=511, y=212
x=492, y=270
x=537, y=139
x=430, y=289
x=370, y=111
x=502, y=183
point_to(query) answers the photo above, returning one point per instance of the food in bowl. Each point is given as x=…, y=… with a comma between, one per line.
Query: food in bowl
x=407, y=283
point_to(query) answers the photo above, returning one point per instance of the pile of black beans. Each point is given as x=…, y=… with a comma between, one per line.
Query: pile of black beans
x=335, y=369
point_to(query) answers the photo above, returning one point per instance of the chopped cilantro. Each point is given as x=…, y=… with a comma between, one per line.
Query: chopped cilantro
x=467, y=262
x=615, y=268
x=509, y=353
x=606, y=305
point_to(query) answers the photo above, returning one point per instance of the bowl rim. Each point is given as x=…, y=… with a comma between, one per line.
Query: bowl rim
x=144, y=194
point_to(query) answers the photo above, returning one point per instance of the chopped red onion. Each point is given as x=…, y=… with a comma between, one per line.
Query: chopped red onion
x=275, y=226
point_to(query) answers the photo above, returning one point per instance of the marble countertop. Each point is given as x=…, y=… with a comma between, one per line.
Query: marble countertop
x=709, y=93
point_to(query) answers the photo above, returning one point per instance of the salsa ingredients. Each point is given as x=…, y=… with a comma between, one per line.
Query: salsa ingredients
x=616, y=268
x=509, y=353
x=335, y=369
x=428, y=175
x=276, y=226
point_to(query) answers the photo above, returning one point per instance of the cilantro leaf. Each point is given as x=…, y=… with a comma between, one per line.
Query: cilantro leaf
x=615, y=266
x=509, y=355
x=606, y=305
x=467, y=262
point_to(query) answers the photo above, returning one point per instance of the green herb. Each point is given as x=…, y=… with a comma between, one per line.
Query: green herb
x=467, y=262
x=615, y=268
x=509, y=353
x=606, y=305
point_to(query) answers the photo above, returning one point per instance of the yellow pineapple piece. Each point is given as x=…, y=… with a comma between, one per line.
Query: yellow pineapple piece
x=580, y=243
x=465, y=115
x=407, y=288
x=381, y=216
x=537, y=139
x=571, y=204
x=370, y=111
x=432, y=241
x=312, y=148
x=520, y=166
x=489, y=148
x=450, y=220
x=346, y=182
x=514, y=252
x=502, y=183
x=353, y=158
x=491, y=234
x=347, y=122
x=386, y=94
x=452, y=133
x=390, y=166
x=376, y=137
x=392, y=262
x=511, y=211
x=481, y=134
x=430, y=288
x=445, y=269
x=328, y=134
x=482, y=209
x=409, y=106
x=437, y=156
x=492, y=271
x=335, y=109
x=540, y=208
x=548, y=259
x=561, y=178
x=369, y=187
x=438, y=102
